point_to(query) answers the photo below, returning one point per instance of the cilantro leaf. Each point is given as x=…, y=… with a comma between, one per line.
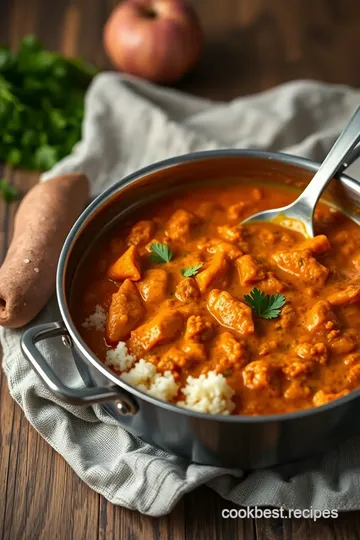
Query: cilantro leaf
x=191, y=270
x=264, y=305
x=8, y=192
x=160, y=253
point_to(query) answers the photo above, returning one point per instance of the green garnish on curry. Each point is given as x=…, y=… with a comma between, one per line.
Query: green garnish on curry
x=160, y=253
x=266, y=306
x=191, y=270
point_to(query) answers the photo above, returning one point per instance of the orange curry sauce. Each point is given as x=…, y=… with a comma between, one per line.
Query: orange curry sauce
x=306, y=357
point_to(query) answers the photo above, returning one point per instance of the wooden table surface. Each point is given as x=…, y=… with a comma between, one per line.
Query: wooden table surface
x=251, y=45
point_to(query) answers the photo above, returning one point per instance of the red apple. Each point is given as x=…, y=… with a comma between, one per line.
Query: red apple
x=159, y=40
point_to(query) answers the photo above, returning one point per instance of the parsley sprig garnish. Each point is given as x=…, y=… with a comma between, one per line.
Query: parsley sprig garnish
x=191, y=271
x=264, y=305
x=160, y=253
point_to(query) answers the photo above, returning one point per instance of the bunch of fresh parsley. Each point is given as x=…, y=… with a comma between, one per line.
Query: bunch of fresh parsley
x=41, y=104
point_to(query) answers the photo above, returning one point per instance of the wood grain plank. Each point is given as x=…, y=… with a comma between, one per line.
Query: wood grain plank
x=116, y=522
x=203, y=518
x=22, y=19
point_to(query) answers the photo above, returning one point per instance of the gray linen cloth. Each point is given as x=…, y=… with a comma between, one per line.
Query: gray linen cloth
x=129, y=124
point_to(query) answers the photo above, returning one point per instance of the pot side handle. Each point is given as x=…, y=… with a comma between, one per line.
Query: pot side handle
x=125, y=404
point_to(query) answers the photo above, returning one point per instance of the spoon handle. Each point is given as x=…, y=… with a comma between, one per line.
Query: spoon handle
x=333, y=161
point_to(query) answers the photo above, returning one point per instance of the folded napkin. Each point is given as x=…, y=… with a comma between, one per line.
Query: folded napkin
x=129, y=124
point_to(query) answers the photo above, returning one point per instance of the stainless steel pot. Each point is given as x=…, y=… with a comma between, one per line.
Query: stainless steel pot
x=246, y=442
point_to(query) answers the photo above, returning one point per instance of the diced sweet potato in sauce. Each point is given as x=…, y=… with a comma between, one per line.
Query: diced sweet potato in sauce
x=302, y=265
x=320, y=317
x=230, y=312
x=318, y=244
x=153, y=286
x=125, y=312
x=163, y=328
x=345, y=297
x=213, y=273
x=250, y=270
x=191, y=315
x=127, y=266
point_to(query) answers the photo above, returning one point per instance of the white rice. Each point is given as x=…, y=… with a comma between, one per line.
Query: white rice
x=97, y=320
x=120, y=358
x=145, y=377
x=208, y=393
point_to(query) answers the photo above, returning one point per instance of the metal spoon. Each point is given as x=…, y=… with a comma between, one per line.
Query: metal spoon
x=299, y=214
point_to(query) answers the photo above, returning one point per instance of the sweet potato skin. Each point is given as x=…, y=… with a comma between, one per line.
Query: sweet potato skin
x=42, y=222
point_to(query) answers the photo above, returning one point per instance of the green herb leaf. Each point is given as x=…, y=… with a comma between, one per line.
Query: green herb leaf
x=45, y=157
x=191, y=270
x=41, y=104
x=264, y=305
x=14, y=157
x=8, y=192
x=160, y=253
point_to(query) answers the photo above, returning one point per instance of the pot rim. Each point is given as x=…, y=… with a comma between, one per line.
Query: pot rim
x=94, y=206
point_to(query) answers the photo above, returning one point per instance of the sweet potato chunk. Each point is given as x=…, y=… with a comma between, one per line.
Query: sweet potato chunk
x=126, y=311
x=127, y=266
x=318, y=244
x=212, y=275
x=347, y=296
x=320, y=317
x=180, y=224
x=163, y=328
x=230, y=312
x=153, y=287
x=141, y=233
x=187, y=289
x=250, y=270
x=303, y=265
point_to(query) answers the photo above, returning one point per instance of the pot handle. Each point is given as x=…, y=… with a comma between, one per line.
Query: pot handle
x=125, y=404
